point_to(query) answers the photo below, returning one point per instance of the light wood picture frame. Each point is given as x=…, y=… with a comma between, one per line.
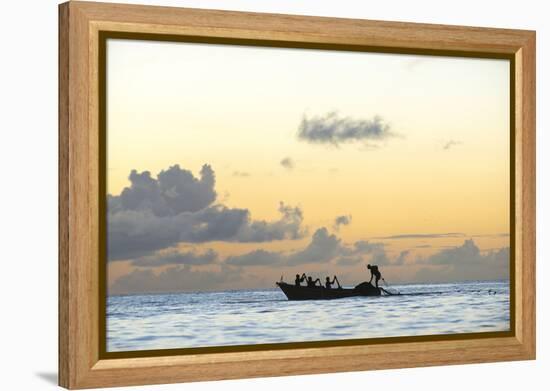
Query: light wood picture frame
x=83, y=29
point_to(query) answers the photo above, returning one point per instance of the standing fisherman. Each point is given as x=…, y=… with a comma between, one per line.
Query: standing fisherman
x=374, y=272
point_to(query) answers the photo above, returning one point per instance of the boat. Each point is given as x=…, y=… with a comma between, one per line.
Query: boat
x=296, y=292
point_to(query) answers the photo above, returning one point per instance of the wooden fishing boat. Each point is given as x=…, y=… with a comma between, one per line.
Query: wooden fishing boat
x=294, y=292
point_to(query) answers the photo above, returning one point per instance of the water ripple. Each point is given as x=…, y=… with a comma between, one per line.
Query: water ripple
x=141, y=322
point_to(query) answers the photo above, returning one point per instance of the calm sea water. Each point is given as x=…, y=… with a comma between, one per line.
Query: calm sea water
x=183, y=320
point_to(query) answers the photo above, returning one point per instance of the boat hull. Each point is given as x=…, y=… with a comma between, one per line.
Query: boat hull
x=294, y=292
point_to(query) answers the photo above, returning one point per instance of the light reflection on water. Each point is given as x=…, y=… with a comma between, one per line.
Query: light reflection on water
x=184, y=320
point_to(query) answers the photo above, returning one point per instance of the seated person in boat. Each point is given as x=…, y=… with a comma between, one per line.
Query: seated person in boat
x=328, y=283
x=299, y=279
x=313, y=284
x=374, y=272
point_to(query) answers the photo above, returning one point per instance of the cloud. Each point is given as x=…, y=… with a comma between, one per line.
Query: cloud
x=289, y=226
x=366, y=247
x=176, y=279
x=423, y=236
x=138, y=233
x=465, y=262
x=322, y=248
x=287, y=163
x=154, y=214
x=255, y=258
x=400, y=260
x=185, y=274
x=376, y=250
x=380, y=258
x=341, y=220
x=467, y=253
x=348, y=261
x=175, y=257
x=334, y=130
x=174, y=191
x=496, y=235
x=133, y=234
x=451, y=143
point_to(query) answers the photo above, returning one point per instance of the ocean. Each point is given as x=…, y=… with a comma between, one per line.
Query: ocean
x=245, y=317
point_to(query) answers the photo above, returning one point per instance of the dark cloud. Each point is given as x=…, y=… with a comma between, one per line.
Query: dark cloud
x=133, y=234
x=334, y=130
x=287, y=163
x=176, y=279
x=423, y=236
x=154, y=214
x=175, y=257
x=465, y=262
x=289, y=226
x=451, y=143
x=341, y=220
x=322, y=248
x=138, y=233
x=174, y=191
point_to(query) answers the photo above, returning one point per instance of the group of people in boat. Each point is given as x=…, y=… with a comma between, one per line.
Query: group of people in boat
x=311, y=283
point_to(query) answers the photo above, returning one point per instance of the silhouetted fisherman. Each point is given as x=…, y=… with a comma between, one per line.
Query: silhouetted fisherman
x=299, y=279
x=374, y=272
x=328, y=283
x=311, y=283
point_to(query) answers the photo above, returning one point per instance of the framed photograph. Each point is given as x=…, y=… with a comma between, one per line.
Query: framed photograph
x=246, y=195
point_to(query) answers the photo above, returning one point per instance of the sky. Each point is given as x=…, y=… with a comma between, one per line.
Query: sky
x=231, y=166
